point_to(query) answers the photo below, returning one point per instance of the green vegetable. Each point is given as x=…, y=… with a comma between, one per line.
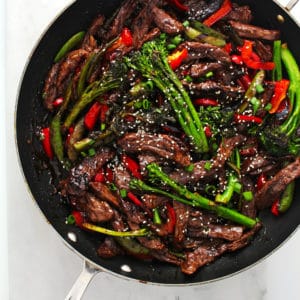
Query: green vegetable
x=84, y=144
x=248, y=195
x=251, y=91
x=188, y=197
x=132, y=246
x=226, y=196
x=287, y=198
x=282, y=139
x=156, y=216
x=277, y=71
x=70, y=44
x=152, y=62
x=110, y=80
x=207, y=30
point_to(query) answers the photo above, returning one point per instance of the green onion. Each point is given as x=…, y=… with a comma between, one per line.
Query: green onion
x=190, y=168
x=207, y=165
x=146, y=104
x=171, y=46
x=156, y=216
x=91, y=152
x=209, y=74
x=123, y=193
x=260, y=88
x=176, y=40
x=186, y=23
x=248, y=195
x=70, y=220
x=255, y=104
x=268, y=106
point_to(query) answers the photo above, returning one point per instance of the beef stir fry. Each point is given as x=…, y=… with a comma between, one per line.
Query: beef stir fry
x=174, y=124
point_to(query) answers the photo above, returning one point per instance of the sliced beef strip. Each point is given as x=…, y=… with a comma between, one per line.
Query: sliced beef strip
x=165, y=256
x=265, y=52
x=273, y=188
x=256, y=163
x=68, y=66
x=97, y=211
x=50, y=88
x=200, y=10
x=202, y=256
x=209, y=88
x=152, y=201
x=109, y=248
x=200, y=69
x=254, y=32
x=83, y=173
x=226, y=232
x=165, y=22
x=103, y=192
x=209, y=252
x=121, y=177
x=141, y=25
x=160, y=144
x=124, y=13
x=89, y=42
x=182, y=217
x=266, y=98
x=200, y=172
x=241, y=14
x=197, y=50
x=248, y=208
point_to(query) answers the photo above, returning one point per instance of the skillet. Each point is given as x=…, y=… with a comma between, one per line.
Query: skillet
x=30, y=112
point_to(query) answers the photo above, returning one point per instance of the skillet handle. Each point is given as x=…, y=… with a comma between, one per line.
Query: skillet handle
x=82, y=282
x=291, y=4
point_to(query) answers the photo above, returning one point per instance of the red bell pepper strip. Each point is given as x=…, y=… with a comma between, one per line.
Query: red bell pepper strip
x=262, y=179
x=176, y=58
x=275, y=208
x=132, y=166
x=207, y=131
x=245, y=81
x=171, y=218
x=247, y=119
x=206, y=102
x=237, y=59
x=100, y=176
x=91, y=116
x=78, y=218
x=228, y=48
x=125, y=40
x=134, y=199
x=247, y=56
x=109, y=174
x=179, y=5
x=224, y=10
x=46, y=142
x=58, y=102
x=280, y=93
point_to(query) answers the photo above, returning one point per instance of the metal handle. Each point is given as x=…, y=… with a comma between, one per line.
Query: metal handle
x=291, y=4
x=82, y=282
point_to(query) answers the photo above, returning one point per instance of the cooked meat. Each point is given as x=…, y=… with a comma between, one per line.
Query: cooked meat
x=68, y=67
x=165, y=256
x=256, y=163
x=248, y=208
x=97, y=210
x=226, y=232
x=273, y=188
x=141, y=25
x=265, y=99
x=201, y=256
x=182, y=217
x=160, y=144
x=50, y=88
x=200, y=10
x=89, y=42
x=197, y=50
x=213, y=89
x=200, y=172
x=264, y=51
x=109, y=248
x=121, y=177
x=124, y=13
x=165, y=22
x=241, y=14
x=201, y=69
x=145, y=159
x=152, y=201
x=103, y=192
x=254, y=32
x=83, y=173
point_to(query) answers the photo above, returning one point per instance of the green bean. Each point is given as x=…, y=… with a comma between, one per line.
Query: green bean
x=69, y=45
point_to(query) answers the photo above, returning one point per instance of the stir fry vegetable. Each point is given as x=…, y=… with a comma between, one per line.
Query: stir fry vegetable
x=172, y=127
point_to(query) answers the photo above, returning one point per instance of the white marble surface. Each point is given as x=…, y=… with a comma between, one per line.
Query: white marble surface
x=41, y=267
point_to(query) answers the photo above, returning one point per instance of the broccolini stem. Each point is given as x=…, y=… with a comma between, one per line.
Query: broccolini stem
x=195, y=199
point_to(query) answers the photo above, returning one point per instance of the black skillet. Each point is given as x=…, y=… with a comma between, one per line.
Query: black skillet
x=30, y=112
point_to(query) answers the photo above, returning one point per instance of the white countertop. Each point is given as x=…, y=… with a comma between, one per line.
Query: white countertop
x=42, y=267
